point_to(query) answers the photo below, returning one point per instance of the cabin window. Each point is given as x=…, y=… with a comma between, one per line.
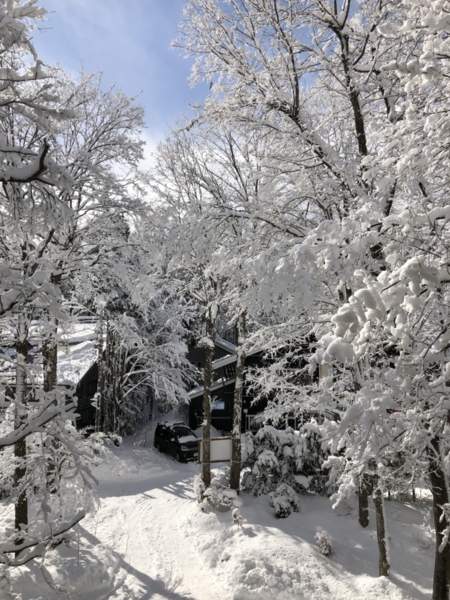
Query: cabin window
x=218, y=405
x=230, y=371
x=253, y=422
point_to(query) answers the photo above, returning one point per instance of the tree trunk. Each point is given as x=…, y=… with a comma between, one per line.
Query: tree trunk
x=383, y=560
x=108, y=381
x=50, y=364
x=20, y=448
x=99, y=415
x=363, y=500
x=122, y=363
x=439, y=490
x=50, y=349
x=117, y=363
x=235, y=472
x=207, y=381
x=50, y=367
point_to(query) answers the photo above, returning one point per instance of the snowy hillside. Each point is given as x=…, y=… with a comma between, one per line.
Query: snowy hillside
x=149, y=539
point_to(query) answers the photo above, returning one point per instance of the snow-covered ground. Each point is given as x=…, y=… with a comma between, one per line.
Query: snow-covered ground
x=149, y=540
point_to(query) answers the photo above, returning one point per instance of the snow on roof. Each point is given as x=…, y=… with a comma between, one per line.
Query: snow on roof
x=173, y=423
x=75, y=360
x=76, y=333
x=76, y=351
x=226, y=360
x=216, y=364
x=225, y=344
x=76, y=355
x=216, y=385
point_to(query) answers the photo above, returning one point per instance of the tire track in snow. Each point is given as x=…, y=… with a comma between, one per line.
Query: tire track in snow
x=161, y=558
x=146, y=529
x=132, y=530
x=196, y=575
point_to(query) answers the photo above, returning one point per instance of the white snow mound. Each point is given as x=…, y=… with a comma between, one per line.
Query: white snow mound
x=213, y=433
x=263, y=563
x=88, y=573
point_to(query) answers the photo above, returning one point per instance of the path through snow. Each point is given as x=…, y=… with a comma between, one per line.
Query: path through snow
x=140, y=520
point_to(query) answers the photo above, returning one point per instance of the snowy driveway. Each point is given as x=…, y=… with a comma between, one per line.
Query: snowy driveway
x=169, y=550
x=142, y=503
x=149, y=541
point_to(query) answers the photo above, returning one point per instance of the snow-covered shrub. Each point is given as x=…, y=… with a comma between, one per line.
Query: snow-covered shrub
x=273, y=457
x=276, y=456
x=314, y=456
x=218, y=496
x=75, y=572
x=284, y=500
x=290, y=453
x=265, y=472
x=98, y=441
x=324, y=543
x=318, y=484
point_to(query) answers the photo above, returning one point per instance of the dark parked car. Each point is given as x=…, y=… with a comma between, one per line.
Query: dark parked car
x=177, y=439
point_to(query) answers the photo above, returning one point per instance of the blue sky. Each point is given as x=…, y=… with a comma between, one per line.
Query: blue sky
x=129, y=40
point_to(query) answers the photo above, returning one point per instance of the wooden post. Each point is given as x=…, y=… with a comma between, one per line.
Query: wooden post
x=363, y=499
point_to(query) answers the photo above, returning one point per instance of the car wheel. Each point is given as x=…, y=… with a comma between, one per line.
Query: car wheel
x=178, y=457
x=158, y=447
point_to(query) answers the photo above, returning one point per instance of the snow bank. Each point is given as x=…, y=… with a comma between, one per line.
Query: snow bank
x=265, y=563
x=88, y=573
x=153, y=541
x=214, y=433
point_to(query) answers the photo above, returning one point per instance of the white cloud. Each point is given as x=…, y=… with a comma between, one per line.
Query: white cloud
x=128, y=40
x=151, y=143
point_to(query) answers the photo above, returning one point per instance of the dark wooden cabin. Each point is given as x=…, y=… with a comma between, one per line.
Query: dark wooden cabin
x=224, y=372
x=76, y=367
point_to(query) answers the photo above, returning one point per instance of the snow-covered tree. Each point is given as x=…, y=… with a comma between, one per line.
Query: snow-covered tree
x=215, y=189
x=41, y=207
x=36, y=103
x=357, y=94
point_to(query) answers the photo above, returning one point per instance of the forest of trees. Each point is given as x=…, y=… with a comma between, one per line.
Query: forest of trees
x=305, y=204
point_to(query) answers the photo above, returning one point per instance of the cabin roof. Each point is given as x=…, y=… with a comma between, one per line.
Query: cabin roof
x=217, y=364
x=225, y=344
x=215, y=385
x=77, y=353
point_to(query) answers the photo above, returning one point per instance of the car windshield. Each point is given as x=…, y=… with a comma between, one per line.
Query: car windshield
x=183, y=432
